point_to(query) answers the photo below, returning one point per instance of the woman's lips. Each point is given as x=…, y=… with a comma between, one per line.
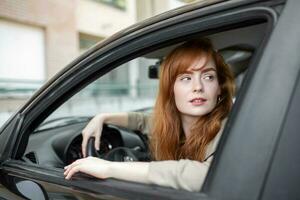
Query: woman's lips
x=198, y=101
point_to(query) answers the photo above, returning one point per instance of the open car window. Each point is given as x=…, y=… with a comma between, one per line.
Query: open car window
x=125, y=88
x=132, y=86
x=56, y=141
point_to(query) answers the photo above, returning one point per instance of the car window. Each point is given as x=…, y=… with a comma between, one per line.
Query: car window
x=56, y=142
x=126, y=88
x=130, y=87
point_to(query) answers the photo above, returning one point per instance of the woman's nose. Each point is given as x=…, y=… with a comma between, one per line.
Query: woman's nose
x=197, y=86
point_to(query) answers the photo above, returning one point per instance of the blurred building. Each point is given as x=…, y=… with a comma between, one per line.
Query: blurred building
x=39, y=38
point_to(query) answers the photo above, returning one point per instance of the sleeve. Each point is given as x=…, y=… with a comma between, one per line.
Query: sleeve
x=183, y=174
x=139, y=121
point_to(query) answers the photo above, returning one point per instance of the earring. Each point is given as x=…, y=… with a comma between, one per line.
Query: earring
x=219, y=99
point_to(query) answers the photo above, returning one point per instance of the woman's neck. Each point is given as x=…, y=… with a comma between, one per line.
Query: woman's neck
x=187, y=123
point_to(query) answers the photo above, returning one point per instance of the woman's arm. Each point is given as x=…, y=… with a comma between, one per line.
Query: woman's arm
x=129, y=171
x=118, y=119
x=139, y=121
x=183, y=174
x=130, y=120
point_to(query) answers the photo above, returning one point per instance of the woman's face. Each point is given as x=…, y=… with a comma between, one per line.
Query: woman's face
x=196, y=90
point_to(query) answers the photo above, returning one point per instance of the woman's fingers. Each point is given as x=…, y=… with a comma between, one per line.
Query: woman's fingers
x=86, y=133
x=71, y=167
x=72, y=171
x=84, y=143
x=93, y=128
x=97, y=138
x=67, y=171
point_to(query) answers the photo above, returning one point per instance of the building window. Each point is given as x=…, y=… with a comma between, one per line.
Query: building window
x=120, y=4
x=22, y=58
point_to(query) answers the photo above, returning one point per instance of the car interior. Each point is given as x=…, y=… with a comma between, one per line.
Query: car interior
x=57, y=142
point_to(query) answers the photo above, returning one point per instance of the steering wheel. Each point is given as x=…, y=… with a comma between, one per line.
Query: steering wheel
x=121, y=154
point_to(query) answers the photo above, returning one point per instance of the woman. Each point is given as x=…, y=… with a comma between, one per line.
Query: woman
x=195, y=96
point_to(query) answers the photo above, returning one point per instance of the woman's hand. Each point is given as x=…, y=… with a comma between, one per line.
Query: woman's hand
x=93, y=166
x=95, y=126
x=92, y=129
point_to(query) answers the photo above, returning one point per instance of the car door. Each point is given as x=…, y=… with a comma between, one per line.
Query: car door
x=198, y=19
x=264, y=121
x=283, y=178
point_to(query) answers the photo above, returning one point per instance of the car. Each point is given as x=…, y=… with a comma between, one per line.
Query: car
x=257, y=154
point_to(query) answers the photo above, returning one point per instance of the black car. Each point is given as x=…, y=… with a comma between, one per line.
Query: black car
x=257, y=154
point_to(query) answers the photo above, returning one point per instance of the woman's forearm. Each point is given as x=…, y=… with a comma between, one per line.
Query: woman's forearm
x=182, y=174
x=129, y=171
x=118, y=119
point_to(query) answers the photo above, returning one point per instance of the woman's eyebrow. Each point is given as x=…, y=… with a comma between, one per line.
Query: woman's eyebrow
x=202, y=70
x=186, y=72
x=207, y=70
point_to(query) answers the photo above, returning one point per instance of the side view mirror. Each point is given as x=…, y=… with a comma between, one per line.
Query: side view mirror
x=31, y=190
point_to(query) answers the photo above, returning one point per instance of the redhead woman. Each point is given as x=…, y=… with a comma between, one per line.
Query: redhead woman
x=195, y=95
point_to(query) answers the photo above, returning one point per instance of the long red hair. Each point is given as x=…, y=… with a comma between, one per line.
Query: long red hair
x=167, y=140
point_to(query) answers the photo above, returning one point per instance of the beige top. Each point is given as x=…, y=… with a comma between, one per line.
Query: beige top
x=183, y=174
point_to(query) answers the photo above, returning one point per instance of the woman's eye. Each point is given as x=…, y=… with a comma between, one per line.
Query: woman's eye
x=209, y=77
x=185, y=78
